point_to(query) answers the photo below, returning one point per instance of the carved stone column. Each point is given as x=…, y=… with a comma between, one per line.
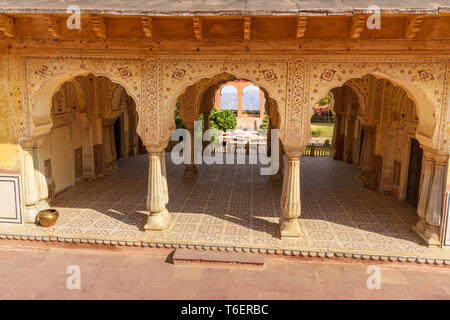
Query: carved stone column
x=107, y=156
x=430, y=208
x=367, y=152
x=162, y=161
x=157, y=195
x=240, y=94
x=190, y=171
x=435, y=205
x=336, y=135
x=424, y=192
x=30, y=187
x=113, y=147
x=261, y=104
x=88, y=150
x=348, y=140
x=41, y=181
x=290, y=197
x=387, y=184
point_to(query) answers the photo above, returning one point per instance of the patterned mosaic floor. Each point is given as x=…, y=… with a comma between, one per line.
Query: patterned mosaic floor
x=232, y=205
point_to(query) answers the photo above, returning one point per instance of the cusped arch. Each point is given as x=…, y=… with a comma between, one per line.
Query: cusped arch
x=170, y=102
x=427, y=127
x=45, y=75
x=178, y=73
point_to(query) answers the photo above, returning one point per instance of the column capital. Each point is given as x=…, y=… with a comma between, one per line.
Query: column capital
x=434, y=156
x=441, y=159
x=156, y=148
x=294, y=152
x=27, y=143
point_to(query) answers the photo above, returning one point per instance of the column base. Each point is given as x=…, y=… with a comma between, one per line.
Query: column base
x=289, y=228
x=386, y=186
x=277, y=178
x=366, y=178
x=157, y=221
x=42, y=205
x=30, y=214
x=107, y=170
x=427, y=232
x=190, y=173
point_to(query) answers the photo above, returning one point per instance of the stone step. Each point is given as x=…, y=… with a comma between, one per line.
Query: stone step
x=188, y=256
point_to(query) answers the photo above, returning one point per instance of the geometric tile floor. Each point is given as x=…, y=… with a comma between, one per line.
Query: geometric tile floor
x=233, y=206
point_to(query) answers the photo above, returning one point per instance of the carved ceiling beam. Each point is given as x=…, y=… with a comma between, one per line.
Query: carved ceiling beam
x=53, y=26
x=247, y=26
x=8, y=26
x=302, y=22
x=147, y=26
x=413, y=26
x=198, y=28
x=358, y=22
x=99, y=24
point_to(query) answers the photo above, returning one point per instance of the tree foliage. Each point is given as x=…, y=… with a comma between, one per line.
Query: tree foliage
x=326, y=100
x=178, y=121
x=222, y=120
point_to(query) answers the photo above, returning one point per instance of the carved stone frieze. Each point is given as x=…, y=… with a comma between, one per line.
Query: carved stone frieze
x=295, y=83
x=421, y=77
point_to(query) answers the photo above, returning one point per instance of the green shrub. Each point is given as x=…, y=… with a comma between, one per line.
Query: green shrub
x=316, y=132
x=222, y=120
x=265, y=123
x=327, y=143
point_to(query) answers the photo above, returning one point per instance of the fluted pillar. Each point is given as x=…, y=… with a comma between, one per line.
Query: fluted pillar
x=190, y=171
x=88, y=152
x=240, y=94
x=30, y=187
x=162, y=161
x=113, y=147
x=366, y=159
x=107, y=159
x=41, y=181
x=431, y=198
x=290, y=197
x=435, y=205
x=334, y=140
x=261, y=104
x=348, y=140
x=387, y=184
x=157, y=196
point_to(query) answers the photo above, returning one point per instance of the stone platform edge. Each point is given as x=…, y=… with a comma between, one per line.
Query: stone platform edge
x=229, y=248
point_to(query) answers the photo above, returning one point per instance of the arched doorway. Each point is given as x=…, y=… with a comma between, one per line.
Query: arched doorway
x=377, y=128
x=89, y=134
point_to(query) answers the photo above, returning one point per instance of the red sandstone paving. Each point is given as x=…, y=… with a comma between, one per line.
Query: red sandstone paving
x=41, y=274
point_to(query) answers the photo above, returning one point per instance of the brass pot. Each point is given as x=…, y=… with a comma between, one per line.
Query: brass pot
x=47, y=218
